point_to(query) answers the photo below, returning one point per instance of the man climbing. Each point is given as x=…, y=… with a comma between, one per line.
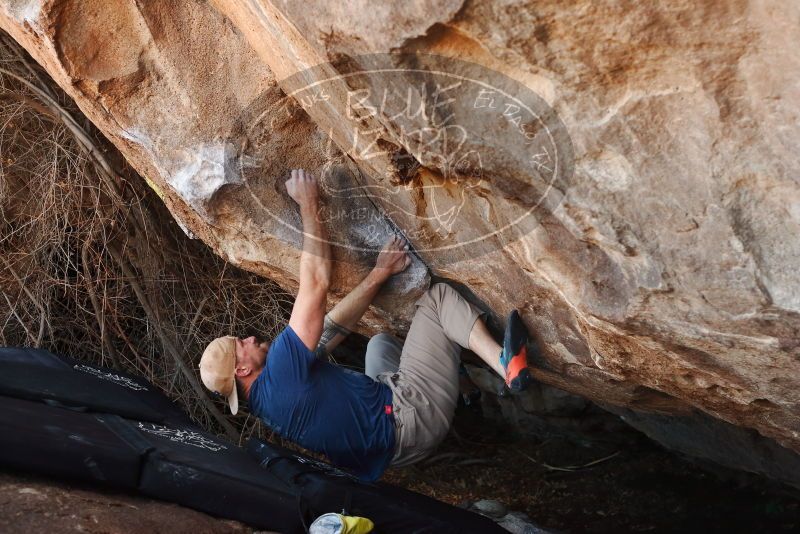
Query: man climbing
x=402, y=407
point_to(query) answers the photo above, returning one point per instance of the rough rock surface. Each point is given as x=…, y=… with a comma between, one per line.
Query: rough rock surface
x=659, y=274
x=168, y=82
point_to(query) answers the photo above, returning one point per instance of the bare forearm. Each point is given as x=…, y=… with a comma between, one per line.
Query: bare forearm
x=308, y=311
x=315, y=260
x=392, y=259
x=352, y=307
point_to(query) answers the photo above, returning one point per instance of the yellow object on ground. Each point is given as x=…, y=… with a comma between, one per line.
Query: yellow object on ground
x=341, y=524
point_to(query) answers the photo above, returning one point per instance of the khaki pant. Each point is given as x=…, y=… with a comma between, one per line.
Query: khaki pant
x=423, y=372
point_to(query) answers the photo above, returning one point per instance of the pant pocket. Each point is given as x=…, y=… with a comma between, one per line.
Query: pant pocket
x=407, y=417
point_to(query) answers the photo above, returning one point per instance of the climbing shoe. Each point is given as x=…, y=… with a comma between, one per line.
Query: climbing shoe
x=514, y=356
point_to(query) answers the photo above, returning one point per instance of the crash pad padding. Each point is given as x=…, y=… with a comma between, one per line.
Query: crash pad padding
x=53, y=441
x=123, y=393
x=72, y=389
x=322, y=488
x=138, y=387
x=39, y=357
x=196, y=469
x=134, y=385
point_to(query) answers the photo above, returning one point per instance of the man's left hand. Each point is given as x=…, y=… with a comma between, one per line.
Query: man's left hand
x=393, y=258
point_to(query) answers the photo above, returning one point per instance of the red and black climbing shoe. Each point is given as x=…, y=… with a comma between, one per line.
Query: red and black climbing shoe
x=514, y=356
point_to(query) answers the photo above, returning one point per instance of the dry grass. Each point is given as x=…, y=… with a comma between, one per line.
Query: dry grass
x=92, y=264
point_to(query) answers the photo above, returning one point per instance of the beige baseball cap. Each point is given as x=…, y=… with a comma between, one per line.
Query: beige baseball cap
x=217, y=369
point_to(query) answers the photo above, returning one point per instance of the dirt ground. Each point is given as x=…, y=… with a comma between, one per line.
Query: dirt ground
x=32, y=504
x=641, y=488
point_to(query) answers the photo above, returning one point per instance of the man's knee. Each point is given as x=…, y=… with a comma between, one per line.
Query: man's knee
x=439, y=288
x=436, y=294
x=383, y=354
x=379, y=340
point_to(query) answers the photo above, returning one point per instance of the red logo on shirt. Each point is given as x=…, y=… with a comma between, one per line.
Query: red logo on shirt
x=388, y=409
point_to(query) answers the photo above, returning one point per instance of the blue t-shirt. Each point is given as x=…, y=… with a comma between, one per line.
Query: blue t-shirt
x=325, y=408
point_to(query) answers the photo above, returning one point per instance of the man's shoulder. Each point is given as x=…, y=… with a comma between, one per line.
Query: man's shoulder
x=289, y=362
x=288, y=340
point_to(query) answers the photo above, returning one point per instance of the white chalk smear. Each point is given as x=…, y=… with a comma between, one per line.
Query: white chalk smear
x=196, y=173
x=25, y=11
x=610, y=170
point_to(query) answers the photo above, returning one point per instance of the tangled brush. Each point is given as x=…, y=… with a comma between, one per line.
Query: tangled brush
x=92, y=264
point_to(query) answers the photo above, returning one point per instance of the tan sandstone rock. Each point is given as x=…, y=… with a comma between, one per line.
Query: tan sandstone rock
x=657, y=266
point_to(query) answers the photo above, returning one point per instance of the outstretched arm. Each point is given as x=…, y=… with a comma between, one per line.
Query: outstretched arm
x=315, y=262
x=392, y=259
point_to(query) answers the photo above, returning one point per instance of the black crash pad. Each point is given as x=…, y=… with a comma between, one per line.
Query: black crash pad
x=40, y=357
x=53, y=441
x=193, y=468
x=138, y=387
x=179, y=464
x=72, y=389
x=36, y=374
x=322, y=488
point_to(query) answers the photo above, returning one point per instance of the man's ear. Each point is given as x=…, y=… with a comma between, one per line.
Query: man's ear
x=242, y=371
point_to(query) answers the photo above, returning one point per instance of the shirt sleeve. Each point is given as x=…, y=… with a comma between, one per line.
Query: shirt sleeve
x=288, y=358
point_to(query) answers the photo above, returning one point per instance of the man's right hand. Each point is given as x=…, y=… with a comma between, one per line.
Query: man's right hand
x=302, y=187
